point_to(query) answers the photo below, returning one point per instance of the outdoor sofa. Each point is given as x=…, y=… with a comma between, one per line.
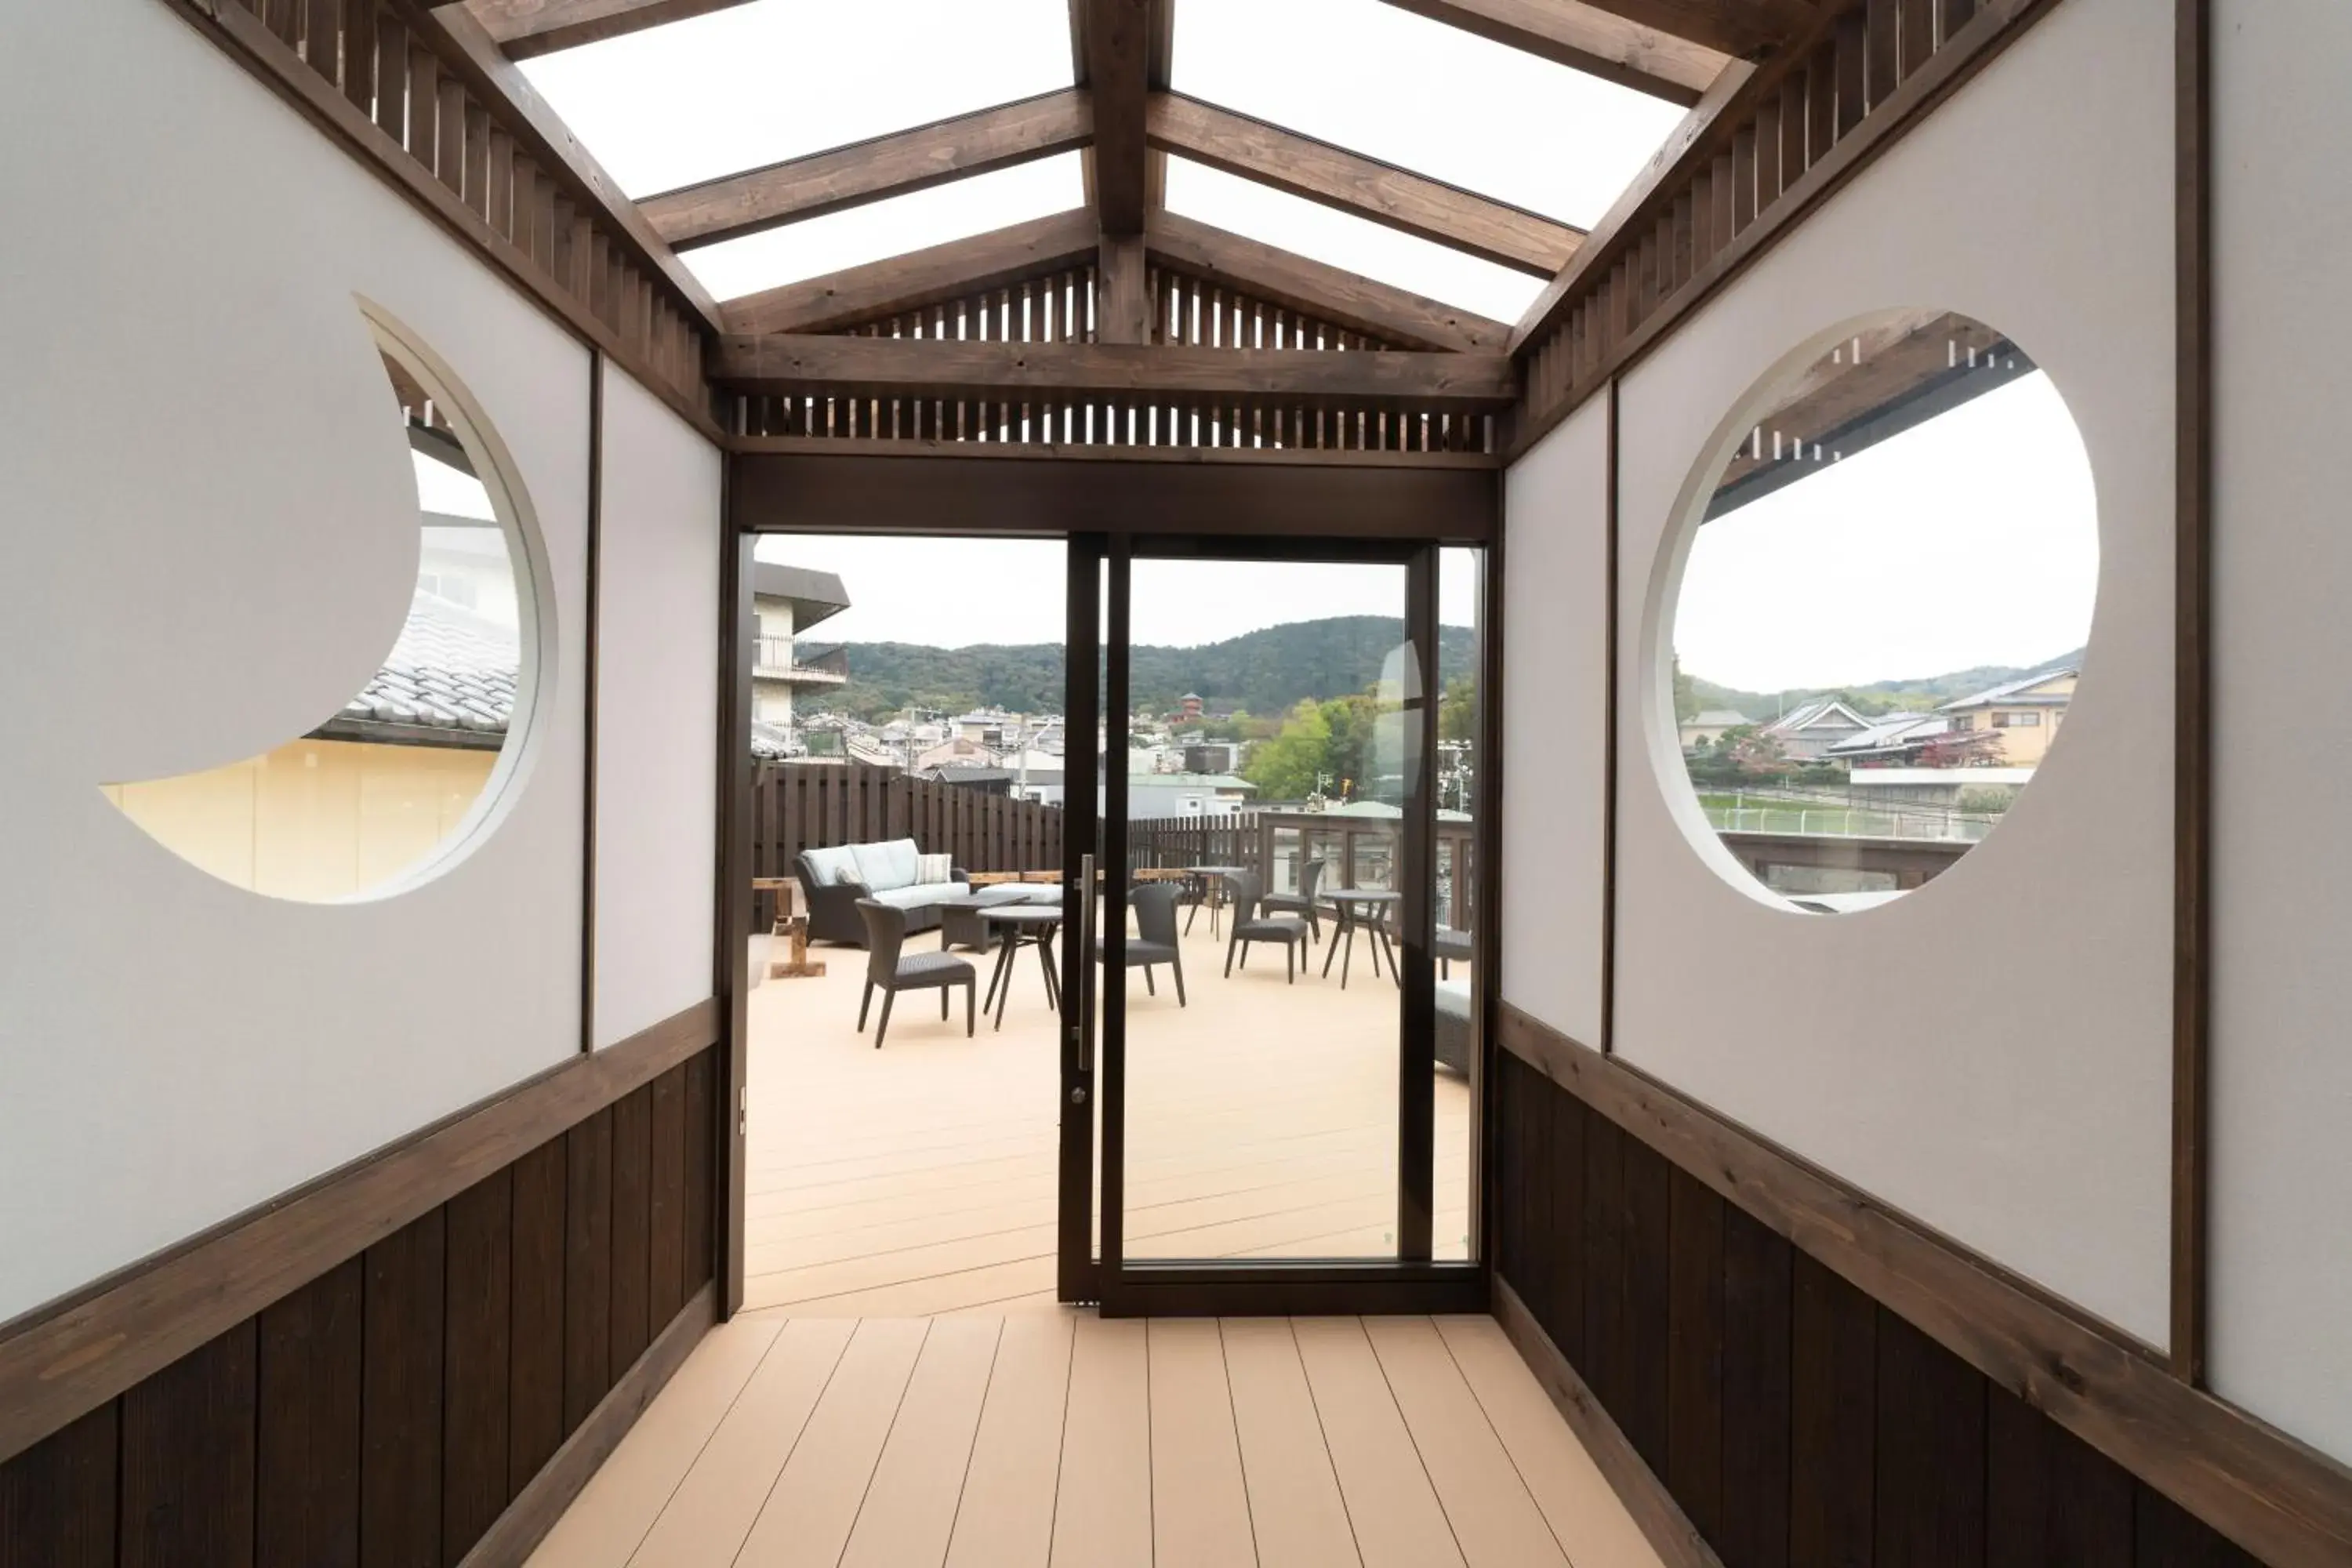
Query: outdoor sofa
x=832, y=881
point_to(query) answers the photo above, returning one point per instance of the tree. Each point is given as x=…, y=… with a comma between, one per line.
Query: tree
x=1960, y=749
x=1284, y=767
x=1685, y=694
x=1457, y=710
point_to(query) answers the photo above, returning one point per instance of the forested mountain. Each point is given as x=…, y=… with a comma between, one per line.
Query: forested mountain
x=1261, y=672
x=1918, y=695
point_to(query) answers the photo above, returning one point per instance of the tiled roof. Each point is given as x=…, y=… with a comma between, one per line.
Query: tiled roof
x=2010, y=690
x=451, y=670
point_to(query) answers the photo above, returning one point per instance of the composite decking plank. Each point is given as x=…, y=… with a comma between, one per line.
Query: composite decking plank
x=1583, y=1510
x=1199, y=1507
x=1102, y=1514
x=707, y=1518
x=604, y=1525
x=1393, y=1506
x=1006, y=1519
x=910, y=1510
x=1297, y=1517
x=1496, y=1521
x=808, y=1515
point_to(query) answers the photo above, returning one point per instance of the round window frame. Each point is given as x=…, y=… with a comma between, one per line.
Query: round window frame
x=537, y=663
x=1662, y=601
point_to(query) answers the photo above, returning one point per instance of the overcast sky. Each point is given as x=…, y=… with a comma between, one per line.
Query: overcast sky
x=1972, y=539
x=951, y=592
x=758, y=83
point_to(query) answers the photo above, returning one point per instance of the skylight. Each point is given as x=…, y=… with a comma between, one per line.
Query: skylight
x=757, y=84
x=891, y=227
x=1433, y=98
x=1342, y=240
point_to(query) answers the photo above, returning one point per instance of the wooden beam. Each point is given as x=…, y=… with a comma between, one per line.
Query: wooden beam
x=870, y=171
x=527, y=27
x=1352, y=182
x=1735, y=90
x=795, y=364
x=1118, y=36
x=1728, y=27
x=1589, y=38
x=1347, y=299
x=474, y=56
x=1122, y=301
x=2280, y=1499
x=919, y=277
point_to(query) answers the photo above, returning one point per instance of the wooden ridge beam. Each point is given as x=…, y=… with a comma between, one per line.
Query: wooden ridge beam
x=1586, y=38
x=1271, y=155
x=1347, y=299
x=919, y=278
x=870, y=171
x=793, y=364
x=527, y=27
x=474, y=55
x=1729, y=27
x=1118, y=37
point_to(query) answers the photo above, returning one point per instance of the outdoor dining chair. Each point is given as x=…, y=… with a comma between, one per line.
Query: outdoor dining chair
x=1154, y=904
x=1247, y=891
x=891, y=971
x=1301, y=902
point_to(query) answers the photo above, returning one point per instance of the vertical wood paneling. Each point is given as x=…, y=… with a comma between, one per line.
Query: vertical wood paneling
x=2051, y=1500
x=1608, y=1343
x=58, y=1497
x=701, y=1129
x=1756, y=1330
x=665, y=1223
x=401, y=1402
x=1649, y=1272
x=1930, y=1501
x=587, y=1267
x=308, y=1442
x=188, y=1460
x=1562, y=1176
x=535, y=1423
x=2166, y=1536
x=1695, y=1328
x=631, y=1227
x=1834, y=1377
x=479, y=1379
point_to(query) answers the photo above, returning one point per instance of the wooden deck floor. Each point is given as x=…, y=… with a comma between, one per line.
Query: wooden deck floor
x=1057, y=1438
x=919, y=1178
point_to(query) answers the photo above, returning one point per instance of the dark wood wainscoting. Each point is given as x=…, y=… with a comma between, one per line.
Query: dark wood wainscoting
x=1794, y=1421
x=475, y=1362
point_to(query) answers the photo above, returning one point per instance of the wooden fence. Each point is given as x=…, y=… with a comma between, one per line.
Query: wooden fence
x=818, y=806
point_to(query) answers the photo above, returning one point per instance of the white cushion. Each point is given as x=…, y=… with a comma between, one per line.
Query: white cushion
x=919, y=895
x=884, y=865
x=931, y=869
x=1032, y=893
x=829, y=864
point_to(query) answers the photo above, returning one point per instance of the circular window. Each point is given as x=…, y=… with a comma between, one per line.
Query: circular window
x=418, y=764
x=1882, y=610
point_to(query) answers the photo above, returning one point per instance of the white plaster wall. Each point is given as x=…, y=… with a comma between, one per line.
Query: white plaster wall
x=2030, y=1123
x=657, y=713
x=1555, y=662
x=208, y=529
x=2281, y=1330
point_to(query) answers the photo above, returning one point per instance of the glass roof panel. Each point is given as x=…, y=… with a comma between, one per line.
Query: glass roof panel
x=756, y=84
x=820, y=245
x=1343, y=239
x=1433, y=98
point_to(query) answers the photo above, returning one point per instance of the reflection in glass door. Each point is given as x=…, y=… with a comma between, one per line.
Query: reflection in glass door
x=1276, y=1111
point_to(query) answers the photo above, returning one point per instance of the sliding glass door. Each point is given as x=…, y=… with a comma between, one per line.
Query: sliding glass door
x=1267, y=1100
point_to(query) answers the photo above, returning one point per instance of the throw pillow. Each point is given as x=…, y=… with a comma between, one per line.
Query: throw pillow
x=846, y=877
x=934, y=868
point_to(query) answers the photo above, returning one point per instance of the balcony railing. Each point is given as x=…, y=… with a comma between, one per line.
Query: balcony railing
x=772, y=659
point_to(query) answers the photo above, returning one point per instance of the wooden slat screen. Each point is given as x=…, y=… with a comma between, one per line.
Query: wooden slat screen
x=1059, y=307
x=1685, y=226
x=366, y=50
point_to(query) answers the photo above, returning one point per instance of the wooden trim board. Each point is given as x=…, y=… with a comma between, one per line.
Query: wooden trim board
x=1667, y=1529
x=518, y=1532
x=2286, y=1503
x=62, y=1360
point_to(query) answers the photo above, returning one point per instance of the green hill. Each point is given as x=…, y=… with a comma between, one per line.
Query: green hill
x=1261, y=672
x=1916, y=695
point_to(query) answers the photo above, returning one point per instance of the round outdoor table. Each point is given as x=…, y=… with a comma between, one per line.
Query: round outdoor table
x=1364, y=907
x=1018, y=926
x=1212, y=892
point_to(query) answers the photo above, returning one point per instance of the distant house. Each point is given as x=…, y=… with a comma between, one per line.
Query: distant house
x=1186, y=795
x=966, y=775
x=1705, y=729
x=786, y=602
x=1806, y=733
x=1890, y=740
x=2025, y=713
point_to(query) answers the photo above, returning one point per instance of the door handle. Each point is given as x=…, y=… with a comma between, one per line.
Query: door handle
x=1083, y=1032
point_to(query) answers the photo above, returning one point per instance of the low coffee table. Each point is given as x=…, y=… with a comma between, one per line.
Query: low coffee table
x=1366, y=907
x=1016, y=926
